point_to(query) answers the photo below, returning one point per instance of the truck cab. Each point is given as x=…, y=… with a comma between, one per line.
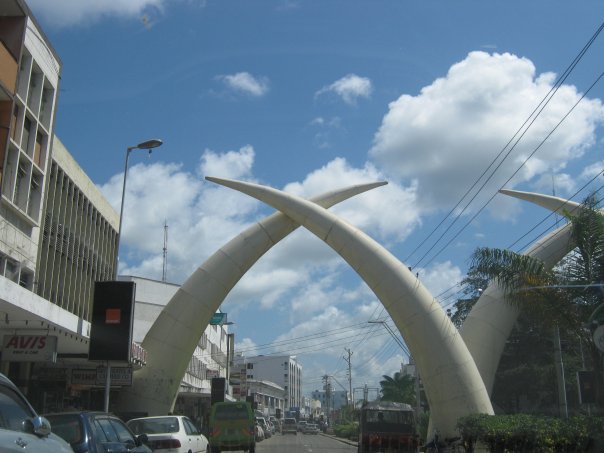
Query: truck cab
x=386, y=426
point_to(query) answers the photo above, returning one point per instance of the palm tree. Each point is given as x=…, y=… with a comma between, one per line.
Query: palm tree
x=562, y=298
x=399, y=388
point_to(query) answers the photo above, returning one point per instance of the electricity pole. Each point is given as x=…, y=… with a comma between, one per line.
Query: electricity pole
x=327, y=397
x=350, y=399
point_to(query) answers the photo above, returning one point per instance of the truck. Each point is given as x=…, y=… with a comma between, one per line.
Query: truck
x=386, y=426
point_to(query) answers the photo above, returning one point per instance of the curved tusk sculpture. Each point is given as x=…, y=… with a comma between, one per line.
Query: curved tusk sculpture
x=171, y=340
x=451, y=380
x=490, y=322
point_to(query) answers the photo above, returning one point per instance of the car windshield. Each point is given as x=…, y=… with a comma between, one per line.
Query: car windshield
x=154, y=425
x=12, y=410
x=67, y=426
x=397, y=417
x=230, y=412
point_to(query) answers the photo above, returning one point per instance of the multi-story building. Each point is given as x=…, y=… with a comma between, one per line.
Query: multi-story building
x=58, y=235
x=333, y=400
x=285, y=371
x=267, y=396
x=29, y=82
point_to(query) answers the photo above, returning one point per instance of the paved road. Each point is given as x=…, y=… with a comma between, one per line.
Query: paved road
x=303, y=443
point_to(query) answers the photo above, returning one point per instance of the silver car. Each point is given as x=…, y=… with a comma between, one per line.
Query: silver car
x=21, y=429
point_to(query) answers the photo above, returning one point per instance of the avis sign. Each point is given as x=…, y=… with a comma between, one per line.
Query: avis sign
x=29, y=348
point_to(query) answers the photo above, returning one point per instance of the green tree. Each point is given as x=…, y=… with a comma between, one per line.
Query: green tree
x=471, y=285
x=563, y=297
x=399, y=388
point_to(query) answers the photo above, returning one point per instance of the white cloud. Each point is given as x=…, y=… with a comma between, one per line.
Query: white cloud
x=441, y=279
x=247, y=347
x=447, y=135
x=372, y=211
x=592, y=171
x=244, y=82
x=231, y=165
x=350, y=88
x=74, y=12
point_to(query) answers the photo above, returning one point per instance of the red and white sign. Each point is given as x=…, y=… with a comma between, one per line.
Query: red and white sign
x=29, y=348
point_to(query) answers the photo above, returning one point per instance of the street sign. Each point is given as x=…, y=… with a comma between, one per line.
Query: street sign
x=218, y=319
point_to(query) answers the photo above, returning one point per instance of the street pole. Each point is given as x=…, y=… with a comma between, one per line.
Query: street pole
x=149, y=144
x=349, y=361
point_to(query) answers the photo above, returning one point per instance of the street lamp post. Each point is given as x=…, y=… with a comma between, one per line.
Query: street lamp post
x=149, y=144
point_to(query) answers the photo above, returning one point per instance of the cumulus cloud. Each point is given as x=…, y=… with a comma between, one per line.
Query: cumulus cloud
x=350, y=88
x=246, y=83
x=593, y=171
x=73, y=12
x=441, y=279
x=447, y=135
x=200, y=216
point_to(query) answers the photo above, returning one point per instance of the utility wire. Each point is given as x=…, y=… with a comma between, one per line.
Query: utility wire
x=483, y=207
x=528, y=123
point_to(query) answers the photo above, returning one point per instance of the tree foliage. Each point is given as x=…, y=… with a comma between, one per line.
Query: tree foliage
x=399, y=388
x=563, y=297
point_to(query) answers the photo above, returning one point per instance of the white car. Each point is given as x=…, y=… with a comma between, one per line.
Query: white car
x=170, y=433
x=22, y=430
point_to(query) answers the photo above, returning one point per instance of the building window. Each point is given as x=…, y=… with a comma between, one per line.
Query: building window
x=250, y=366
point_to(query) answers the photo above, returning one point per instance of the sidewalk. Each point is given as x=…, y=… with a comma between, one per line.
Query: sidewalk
x=340, y=439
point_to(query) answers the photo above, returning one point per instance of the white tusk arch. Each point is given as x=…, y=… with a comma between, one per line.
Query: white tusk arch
x=171, y=340
x=451, y=380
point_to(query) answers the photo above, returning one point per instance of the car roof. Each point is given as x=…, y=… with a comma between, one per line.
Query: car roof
x=158, y=416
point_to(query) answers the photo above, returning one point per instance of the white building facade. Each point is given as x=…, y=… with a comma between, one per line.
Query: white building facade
x=284, y=370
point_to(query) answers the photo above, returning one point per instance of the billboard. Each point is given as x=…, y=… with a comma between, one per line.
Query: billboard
x=112, y=320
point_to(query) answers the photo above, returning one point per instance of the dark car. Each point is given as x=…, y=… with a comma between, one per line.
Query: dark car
x=97, y=432
x=21, y=429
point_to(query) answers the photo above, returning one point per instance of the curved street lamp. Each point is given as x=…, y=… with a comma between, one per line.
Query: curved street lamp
x=149, y=144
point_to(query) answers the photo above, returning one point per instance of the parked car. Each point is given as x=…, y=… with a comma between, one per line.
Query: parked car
x=276, y=423
x=289, y=426
x=301, y=424
x=311, y=428
x=97, y=432
x=174, y=433
x=22, y=429
x=265, y=426
x=232, y=427
x=259, y=432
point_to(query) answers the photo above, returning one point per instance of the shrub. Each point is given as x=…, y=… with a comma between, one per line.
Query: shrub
x=530, y=433
x=347, y=430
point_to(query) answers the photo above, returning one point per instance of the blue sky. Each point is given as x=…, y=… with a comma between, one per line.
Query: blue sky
x=307, y=96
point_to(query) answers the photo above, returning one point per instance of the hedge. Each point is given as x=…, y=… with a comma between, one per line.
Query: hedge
x=347, y=430
x=529, y=433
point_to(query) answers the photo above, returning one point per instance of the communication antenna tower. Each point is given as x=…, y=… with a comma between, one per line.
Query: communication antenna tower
x=165, y=262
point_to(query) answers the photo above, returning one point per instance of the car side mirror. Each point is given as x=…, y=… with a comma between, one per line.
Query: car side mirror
x=142, y=439
x=39, y=426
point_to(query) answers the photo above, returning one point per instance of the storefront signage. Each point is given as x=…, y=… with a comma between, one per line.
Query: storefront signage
x=210, y=374
x=29, y=348
x=121, y=376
